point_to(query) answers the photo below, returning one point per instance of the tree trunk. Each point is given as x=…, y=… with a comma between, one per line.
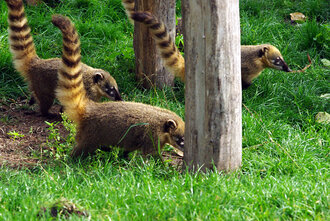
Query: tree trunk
x=150, y=70
x=213, y=84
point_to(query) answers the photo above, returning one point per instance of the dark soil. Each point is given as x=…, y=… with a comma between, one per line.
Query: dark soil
x=26, y=148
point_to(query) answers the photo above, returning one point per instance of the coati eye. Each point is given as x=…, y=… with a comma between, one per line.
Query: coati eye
x=109, y=90
x=112, y=91
x=278, y=61
x=179, y=141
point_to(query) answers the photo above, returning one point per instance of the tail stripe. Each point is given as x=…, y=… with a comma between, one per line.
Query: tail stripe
x=161, y=34
x=175, y=61
x=71, y=52
x=149, y=21
x=20, y=38
x=16, y=28
x=69, y=41
x=70, y=85
x=165, y=44
x=22, y=47
x=168, y=54
x=71, y=63
x=17, y=7
x=71, y=76
x=19, y=17
x=22, y=55
x=155, y=26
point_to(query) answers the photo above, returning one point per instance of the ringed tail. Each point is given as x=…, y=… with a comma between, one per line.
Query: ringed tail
x=169, y=52
x=70, y=90
x=20, y=39
x=129, y=6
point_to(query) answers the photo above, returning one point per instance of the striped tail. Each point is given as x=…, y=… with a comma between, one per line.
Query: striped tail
x=169, y=52
x=20, y=39
x=70, y=90
x=129, y=6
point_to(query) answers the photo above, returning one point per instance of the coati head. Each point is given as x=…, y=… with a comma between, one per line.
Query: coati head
x=174, y=133
x=103, y=85
x=272, y=58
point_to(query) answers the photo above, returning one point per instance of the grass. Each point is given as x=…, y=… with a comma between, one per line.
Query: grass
x=283, y=178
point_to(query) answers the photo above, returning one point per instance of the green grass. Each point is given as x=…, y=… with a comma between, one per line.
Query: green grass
x=285, y=179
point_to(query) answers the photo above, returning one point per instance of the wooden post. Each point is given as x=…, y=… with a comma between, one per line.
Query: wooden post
x=213, y=84
x=149, y=66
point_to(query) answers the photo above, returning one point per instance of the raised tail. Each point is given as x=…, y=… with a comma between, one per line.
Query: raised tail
x=20, y=39
x=70, y=90
x=129, y=6
x=170, y=54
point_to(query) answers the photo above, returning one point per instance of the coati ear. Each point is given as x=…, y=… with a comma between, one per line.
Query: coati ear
x=170, y=124
x=97, y=77
x=263, y=51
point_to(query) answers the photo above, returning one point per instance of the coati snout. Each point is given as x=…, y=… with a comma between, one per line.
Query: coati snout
x=274, y=58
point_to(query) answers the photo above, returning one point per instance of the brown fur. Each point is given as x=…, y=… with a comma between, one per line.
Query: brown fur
x=126, y=124
x=41, y=74
x=129, y=6
x=254, y=58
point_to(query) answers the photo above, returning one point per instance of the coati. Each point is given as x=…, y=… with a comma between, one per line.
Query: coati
x=128, y=125
x=254, y=58
x=41, y=74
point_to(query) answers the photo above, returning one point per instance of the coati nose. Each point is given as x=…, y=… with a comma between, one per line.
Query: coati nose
x=114, y=94
x=117, y=96
x=286, y=69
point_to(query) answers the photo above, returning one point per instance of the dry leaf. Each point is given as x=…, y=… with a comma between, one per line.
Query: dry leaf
x=322, y=118
x=298, y=17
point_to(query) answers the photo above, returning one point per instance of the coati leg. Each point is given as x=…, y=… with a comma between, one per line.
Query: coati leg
x=245, y=84
x=83, y=148
x=109, y=149
x=45, y=103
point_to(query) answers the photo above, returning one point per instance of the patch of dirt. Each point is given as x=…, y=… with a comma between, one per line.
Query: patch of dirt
x=23, y=133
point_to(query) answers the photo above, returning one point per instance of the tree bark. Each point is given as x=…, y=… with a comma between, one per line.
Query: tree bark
x=150, y=70
x=213, y=134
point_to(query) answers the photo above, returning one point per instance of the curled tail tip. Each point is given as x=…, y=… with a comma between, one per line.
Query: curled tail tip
x=141, y=16
x=14, y=4
x=60, y=21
